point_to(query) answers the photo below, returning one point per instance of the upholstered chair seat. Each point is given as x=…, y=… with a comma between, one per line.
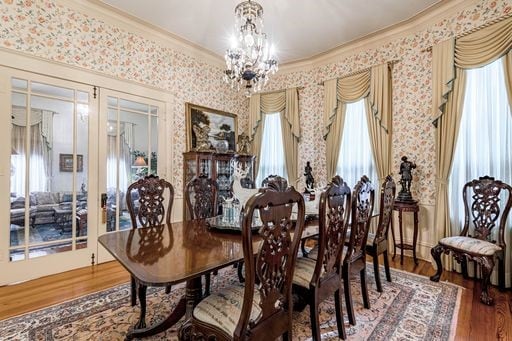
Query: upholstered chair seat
x=304, y=269
x=469, y=244
x=313, y=254
x=222, y=309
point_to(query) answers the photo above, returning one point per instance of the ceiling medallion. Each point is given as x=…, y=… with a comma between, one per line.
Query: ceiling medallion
x=250, y=60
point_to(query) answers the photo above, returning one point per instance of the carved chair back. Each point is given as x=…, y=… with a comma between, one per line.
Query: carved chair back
x=155, y=199
x=484, y=211
x=201, y=197
x=333, y=225
x=363, y=197
x=274, y=178
x=275, y=261
x=387, y=200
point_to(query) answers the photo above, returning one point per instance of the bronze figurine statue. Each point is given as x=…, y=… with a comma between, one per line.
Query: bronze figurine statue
x=406, y=168
x=310, y=181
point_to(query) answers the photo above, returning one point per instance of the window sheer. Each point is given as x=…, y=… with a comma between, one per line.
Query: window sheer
x=484, y=143
x=356, y=158
x=272, y=160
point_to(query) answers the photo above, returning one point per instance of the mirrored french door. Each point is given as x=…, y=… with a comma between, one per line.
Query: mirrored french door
x=49, y=180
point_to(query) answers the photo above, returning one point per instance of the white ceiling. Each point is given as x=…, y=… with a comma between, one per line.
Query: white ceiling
x=299, y=29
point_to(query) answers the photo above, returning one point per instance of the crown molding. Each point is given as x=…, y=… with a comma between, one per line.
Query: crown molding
x=418, y=22
x=113, y=16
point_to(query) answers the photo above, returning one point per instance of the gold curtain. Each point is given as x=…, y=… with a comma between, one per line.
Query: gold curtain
x=287, y=104
x=290, y=127
x=379, y=116
x=507, y=68
x=348, y=89
x=255, y=128
x=449, y=60
x=443, y=74
x=484, y=46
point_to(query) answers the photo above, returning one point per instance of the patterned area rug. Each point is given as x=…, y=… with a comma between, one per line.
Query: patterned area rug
x=410, y=308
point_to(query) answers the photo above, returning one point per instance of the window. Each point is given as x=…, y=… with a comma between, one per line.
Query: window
x=356, y=158
x=272, y=152
x=485, y=136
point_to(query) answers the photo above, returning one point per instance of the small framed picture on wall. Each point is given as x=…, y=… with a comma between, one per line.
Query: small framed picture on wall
x=66, y=162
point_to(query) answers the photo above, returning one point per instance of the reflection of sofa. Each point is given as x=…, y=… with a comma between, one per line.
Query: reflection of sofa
x=42, y=206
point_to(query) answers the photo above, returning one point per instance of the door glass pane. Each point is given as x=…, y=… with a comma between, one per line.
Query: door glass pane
x=132, y=145
x=49, y=157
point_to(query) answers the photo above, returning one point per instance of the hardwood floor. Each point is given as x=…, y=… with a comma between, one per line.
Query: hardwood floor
x=476, y=321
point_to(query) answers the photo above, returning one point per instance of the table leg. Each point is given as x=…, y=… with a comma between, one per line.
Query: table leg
x=401, y=238
x=142, y=289
x=171, y=320
x=415, y=238
x=193, y=296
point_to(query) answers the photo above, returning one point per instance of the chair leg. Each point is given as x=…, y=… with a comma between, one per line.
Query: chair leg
x=386, y=266
x=501, y=274
x=168, y=289
x=287, y=336
x=436, y=252
x=464, y=267
x=207, y=282
x=364, y=288
x=348, y=295
x=133, y=291
x=339, y=315
x=376, y=271
x=239, y=269
x=487, y=266
x=315, y=321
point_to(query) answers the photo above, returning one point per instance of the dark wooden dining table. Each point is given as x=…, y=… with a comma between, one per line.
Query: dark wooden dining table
x=171, y=254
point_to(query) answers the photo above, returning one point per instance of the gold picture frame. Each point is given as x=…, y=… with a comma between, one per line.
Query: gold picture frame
x=213, y=127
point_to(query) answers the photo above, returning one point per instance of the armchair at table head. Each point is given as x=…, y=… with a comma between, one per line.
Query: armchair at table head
x=482, y=212
x=316, y=279
x=201, y=197
x=262, y=311
x=377, y=243
x=149, y=201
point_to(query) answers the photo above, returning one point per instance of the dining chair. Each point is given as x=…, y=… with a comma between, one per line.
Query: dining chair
x=363, y=197
x=315, y=280
x=377, y=243
x=476, y=241
x=274, y=178
x=201, y=199
x=149, y=202
x=263, y=311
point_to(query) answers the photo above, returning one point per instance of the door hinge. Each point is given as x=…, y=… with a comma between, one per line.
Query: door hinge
x=92, y=258
x=94, y=92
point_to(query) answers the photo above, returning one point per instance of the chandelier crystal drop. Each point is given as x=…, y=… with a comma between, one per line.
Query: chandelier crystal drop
x=250, y=60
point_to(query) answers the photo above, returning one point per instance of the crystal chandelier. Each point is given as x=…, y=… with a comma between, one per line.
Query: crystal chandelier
x=249, y=61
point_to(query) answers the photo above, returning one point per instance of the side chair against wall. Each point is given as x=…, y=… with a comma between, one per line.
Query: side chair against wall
x=363, y=197
x=317, y=280
x=480, y=218
x=201, y=200
x=263, y=311
x=378, y=243
x=149, y=201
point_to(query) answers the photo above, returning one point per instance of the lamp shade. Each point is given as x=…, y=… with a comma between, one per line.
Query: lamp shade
x=140, y=162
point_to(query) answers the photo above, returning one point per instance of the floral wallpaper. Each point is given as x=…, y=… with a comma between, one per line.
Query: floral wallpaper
x=413, y=132
x=47, y=29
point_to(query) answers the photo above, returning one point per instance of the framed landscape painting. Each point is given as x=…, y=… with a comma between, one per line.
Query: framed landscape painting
x=66, y=163
x=210, y=129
